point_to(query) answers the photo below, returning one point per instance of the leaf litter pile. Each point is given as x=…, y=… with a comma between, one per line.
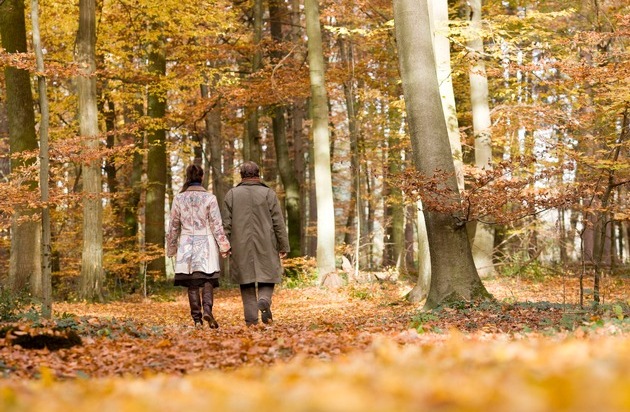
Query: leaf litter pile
x=358, y=348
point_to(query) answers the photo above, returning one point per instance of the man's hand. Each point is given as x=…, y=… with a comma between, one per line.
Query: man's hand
x=226, y=254
x=282, y=255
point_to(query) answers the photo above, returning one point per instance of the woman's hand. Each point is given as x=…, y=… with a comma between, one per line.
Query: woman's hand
x=226, y=254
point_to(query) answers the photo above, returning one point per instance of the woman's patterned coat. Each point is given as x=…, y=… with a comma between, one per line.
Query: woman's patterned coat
x=195, y=233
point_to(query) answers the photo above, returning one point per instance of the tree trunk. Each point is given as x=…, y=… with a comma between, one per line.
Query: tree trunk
x=452, y=279
x=25, y=259
x=394, y=244
x=156, y=161
x=483, y=240
x=92, y=275
x=289, y=181
x=321, y=148
x=214, y=144
x=421, y=289
x=442, y=49
x=297, y=116
x=43, y=165
x=353, y=226
x=252, y=148
x=285, y=166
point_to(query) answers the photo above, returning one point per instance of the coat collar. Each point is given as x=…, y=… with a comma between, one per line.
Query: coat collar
x=195, y=189
x=252, y=182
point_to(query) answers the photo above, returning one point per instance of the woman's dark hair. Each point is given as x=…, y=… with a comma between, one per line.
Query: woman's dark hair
x=194, y=174
x=249, y=169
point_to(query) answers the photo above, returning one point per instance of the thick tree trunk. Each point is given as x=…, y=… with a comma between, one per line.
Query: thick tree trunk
x=281, y=145
x=483, y=240
x=297, y=114
x=92, y=275
x=453, y=274
x=25, y=259
x=321, y=147
x=156, y=162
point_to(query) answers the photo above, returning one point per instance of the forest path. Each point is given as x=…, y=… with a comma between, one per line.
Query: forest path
x=146, y=336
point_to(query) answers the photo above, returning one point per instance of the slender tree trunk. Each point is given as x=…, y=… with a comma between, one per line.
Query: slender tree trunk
x=420, y=290
x=132, y=202
x=289, y=181
x=252, y=148
x=452, y=279
x=25, y=259
x=370, y=219
x=312, y=205
x=92, y=275
x=483, y=240
x=156, y=161
x=214, y=144
x=321, y=142
x=352, y=223
x=393, y=252
x=43, y=165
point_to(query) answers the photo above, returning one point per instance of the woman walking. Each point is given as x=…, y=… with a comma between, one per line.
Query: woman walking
x=196, y=238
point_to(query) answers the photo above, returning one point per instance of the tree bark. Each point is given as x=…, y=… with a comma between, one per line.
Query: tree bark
x=452, y=279
x=25, y=259
x=321, y=149
x=156, y=161
x=92, y=275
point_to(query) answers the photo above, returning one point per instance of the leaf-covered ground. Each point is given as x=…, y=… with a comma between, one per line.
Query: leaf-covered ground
x=359, y=348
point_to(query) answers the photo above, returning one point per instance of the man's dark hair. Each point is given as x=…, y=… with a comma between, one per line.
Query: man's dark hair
x=249, y=169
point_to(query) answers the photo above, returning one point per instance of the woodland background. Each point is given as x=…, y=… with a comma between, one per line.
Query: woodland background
x=103, y=104
x=545, y=166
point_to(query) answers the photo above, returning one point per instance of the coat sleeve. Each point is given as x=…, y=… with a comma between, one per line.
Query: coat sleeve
x=174, y=230
x=277, y=219
x=216, y=225
x=227, y=214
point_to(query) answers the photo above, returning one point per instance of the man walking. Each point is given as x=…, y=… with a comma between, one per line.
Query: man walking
x=254, y=225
